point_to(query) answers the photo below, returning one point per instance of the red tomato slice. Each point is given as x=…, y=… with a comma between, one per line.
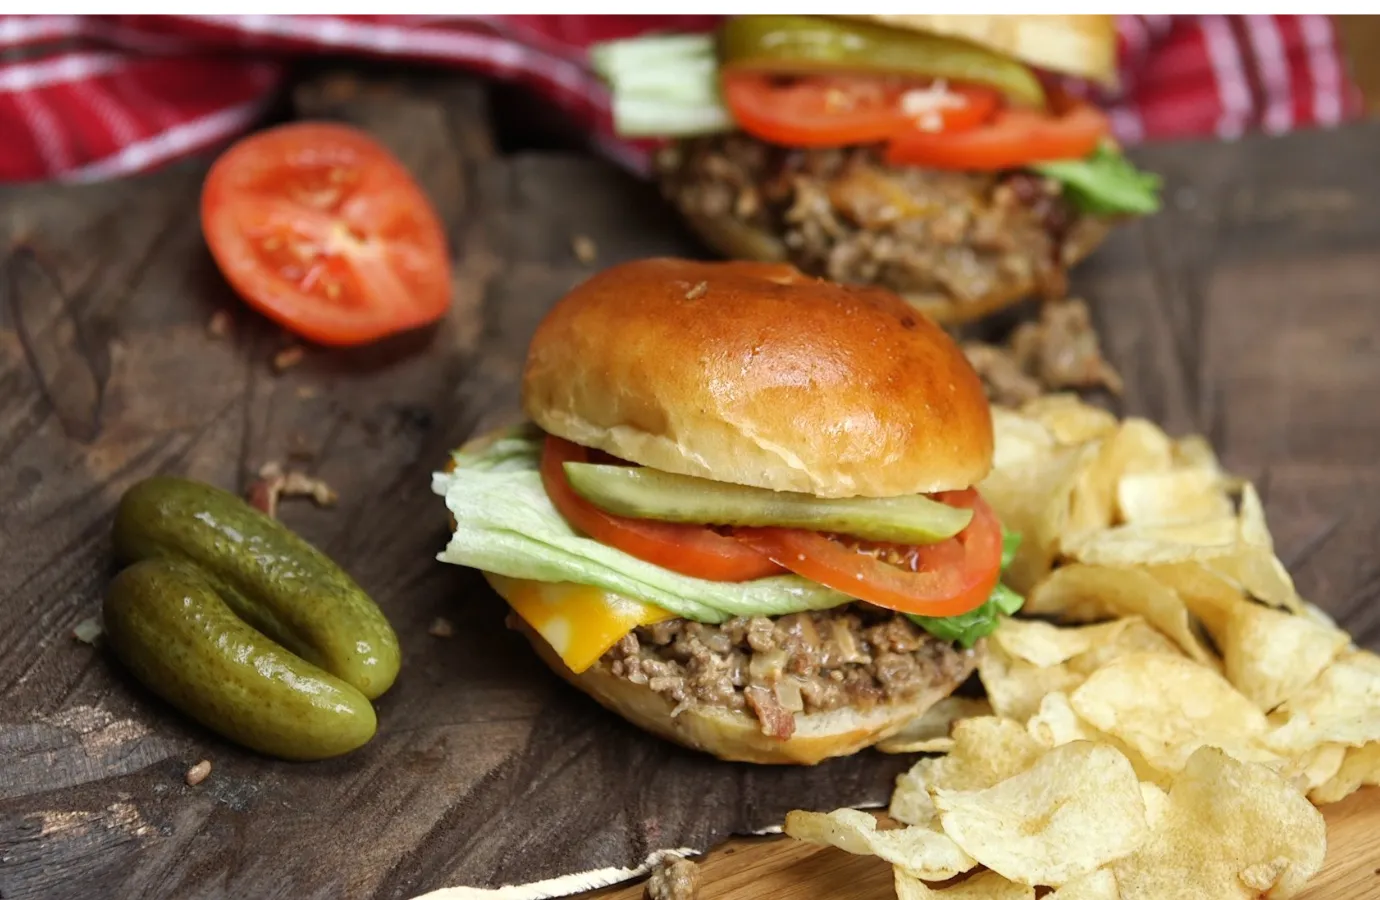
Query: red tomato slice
x=1013, y=138
x=693, y=550
x=834, y=111
x=321, y=229
x=942, y=579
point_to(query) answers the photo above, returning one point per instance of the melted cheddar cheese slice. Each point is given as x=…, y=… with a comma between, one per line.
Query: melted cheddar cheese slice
x=578, y=621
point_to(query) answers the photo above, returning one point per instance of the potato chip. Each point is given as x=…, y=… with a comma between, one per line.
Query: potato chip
x=1316, y=614
x=1340, y=706
x=1015, y=688
x=1018, y=440
x=1044, y=645
x=1136, y=447
x=1172, y=498
x=1229, y=830
x=1194, y=452
x=1084, y=592
x=1033, y=500
x=1316, y=767
x=923, y=852
x=1134, y=545
x=987, y=749
x=1156, y=801
x=910, y=802
x=1269, y=655
x=1254, y=566
x=1166, y=707
x=1076, y=809
x=1056, y=723
x=930, y=732
x=1136, y=637
x=1069, y=419
x=982, y=886
x=1096, y=885
x=1360, y=767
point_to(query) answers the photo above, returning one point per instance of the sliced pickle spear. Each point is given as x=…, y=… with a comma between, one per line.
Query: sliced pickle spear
x=643, y=493
x=799, y=45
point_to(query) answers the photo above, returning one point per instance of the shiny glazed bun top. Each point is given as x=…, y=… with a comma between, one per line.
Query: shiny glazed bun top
x=757, y=374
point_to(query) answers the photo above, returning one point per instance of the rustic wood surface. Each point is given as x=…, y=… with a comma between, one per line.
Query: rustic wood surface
x=1247, y=309
x=783, y=869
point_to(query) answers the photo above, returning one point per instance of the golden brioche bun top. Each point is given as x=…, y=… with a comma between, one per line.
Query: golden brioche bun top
x=756, y=374
x=1080, y=45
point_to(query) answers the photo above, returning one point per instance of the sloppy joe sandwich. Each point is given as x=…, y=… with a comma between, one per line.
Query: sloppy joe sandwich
x=940, y=156
x=742, y=513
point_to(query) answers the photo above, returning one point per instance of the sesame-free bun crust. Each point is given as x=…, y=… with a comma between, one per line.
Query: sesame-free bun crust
x=736, y=736
x=1079, y=45
x=757, y=374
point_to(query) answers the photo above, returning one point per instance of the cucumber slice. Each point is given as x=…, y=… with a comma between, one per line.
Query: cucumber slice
x=650, y=494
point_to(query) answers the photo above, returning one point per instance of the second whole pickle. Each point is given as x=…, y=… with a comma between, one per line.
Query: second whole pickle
x=169, y=626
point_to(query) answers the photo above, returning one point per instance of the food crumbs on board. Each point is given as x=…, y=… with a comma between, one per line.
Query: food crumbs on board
x=674, y=878
x=1059, y=352
x=198, y=773
x=88, y=630
x=274, y=484
x=219, y=325
x=697, y=291
x=287, y=358
x=584, y=249
x=441, y=628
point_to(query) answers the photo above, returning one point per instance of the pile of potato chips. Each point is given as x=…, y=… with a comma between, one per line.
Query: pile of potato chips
x=1172, y=735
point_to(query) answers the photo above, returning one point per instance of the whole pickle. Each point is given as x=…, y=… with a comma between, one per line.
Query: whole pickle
x=166, y=622
x=270, y=577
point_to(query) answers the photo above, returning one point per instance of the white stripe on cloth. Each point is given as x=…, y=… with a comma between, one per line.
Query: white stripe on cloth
x=1270, y=58
x=67, y=67
x=110, y=111
x=1324, y=69
x=436, y=43
x=18, y=30
x=171, y=143
x=43, y=125
x=1127, y=125
x=1233, y=91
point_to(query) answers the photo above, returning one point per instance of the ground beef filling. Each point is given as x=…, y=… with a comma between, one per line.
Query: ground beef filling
x=854, y=656
x=846, y=215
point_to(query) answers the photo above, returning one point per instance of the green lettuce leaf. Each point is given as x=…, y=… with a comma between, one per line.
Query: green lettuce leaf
x=505, y=523
x=975, y=623
x=1105, y=183
x=663, y=86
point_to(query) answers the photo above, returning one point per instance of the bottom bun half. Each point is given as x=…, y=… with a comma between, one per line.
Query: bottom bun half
x=736, y=736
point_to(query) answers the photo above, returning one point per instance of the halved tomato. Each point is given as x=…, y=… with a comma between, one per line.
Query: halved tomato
x=838, y=110
x=1011, y=139
x=694, y=550
x=943, y=579
x=320, y=228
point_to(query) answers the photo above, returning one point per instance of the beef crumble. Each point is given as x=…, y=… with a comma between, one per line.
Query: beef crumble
x=1058, y=352
x=851, y=656
x=674, y=878
x=846, y=215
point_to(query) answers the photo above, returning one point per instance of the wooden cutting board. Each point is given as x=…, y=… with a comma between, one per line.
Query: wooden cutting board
x=783, y=869
x=1245, y=310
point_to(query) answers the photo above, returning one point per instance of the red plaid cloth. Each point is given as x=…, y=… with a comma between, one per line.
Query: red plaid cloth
x=91, y=97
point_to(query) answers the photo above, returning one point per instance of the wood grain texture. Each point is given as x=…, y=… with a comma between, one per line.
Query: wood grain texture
x=487, y=770
x=1245, y=309
x=783, y=869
